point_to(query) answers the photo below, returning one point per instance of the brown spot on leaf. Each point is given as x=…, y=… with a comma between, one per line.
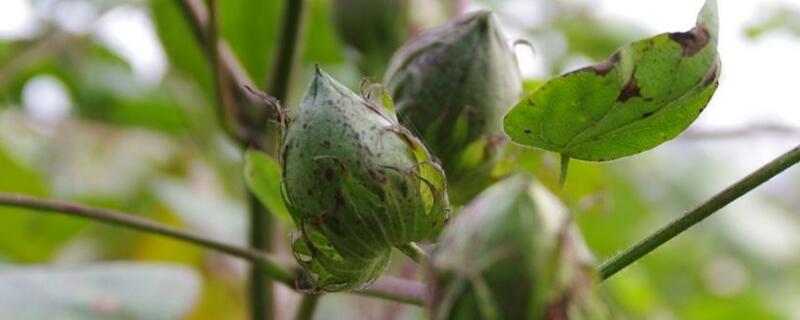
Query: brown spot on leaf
x=527, y=131
x=630, y=90
x=326, y=144
x=712, y=75
x=602, y=68
x=693, y=41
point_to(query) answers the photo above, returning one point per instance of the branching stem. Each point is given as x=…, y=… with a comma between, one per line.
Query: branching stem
x=386, y=288
x=694, y=216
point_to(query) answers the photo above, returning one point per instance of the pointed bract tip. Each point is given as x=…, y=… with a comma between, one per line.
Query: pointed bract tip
x=482, y=17
x=482, y=14
x=479, y=21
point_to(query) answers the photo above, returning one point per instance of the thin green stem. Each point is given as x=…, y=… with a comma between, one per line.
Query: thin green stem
x=308, y=305
x=260, y=218
x=227, y=113
x=564, y=166
x=387, y=288
x=197, y=15
x=260, y=285
x=291, y=38
x=266, y=262
x=694, y=216
x=413, y=251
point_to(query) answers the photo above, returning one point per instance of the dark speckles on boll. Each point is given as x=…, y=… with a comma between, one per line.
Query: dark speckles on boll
x=332, y=175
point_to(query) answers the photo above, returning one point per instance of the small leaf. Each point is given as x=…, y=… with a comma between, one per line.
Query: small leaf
x=263, y=177
x=102, y=291
x=645, y=94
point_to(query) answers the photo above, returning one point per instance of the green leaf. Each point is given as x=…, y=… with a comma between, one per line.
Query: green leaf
x=645, y=94
x=184, y=52
x=322, y=45
x=779, y=18
x=263, y=177
x=102, y=291
x=251, y=28
x=26, y=236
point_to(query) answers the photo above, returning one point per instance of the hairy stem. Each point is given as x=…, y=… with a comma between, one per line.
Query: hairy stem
x=308, y=305
x=694, y=216
x=413, y=251
x=386, y=288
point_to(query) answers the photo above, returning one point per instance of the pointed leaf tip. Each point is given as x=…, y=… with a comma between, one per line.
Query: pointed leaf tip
x=647, y=93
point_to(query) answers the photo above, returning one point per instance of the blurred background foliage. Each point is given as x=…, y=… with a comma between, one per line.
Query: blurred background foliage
x=84, y=118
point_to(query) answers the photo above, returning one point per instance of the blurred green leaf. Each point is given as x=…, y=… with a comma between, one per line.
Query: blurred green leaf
x=27, y=236
x=645, y=94
x=102, y=291
x=212, y=213
x=108, y=93
x=263, y=176
x=322, y=43
x=178, y=40
x=251, y=28
x=779, y=18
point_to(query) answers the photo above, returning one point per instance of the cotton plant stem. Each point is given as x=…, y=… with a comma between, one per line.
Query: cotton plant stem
x=197, y=15
x=289, y=48
x=563, y=168
x=228, y=72
x=308, y=306
x=261, y=220
x=414, y=252
x=396, y=289
x=386, y=288
x=694, y=216
x=226, y=103
x=278, y=271
x=260, y=285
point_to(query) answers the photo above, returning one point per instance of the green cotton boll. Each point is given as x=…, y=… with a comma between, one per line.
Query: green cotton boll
x=453, y=84
x=513, y=253
x=359, y=182
x=373, y=29
x=327, y=270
